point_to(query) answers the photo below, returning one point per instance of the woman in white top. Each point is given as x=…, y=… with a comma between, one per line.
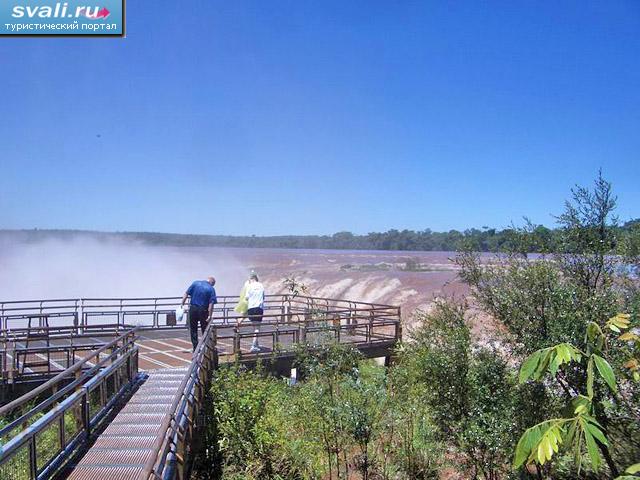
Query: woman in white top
x=254, y=295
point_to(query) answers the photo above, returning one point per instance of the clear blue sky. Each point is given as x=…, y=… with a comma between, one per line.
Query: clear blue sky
x=274, y=117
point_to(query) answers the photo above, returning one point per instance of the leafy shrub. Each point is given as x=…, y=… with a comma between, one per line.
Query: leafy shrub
x=471, y=394
x=251, y=427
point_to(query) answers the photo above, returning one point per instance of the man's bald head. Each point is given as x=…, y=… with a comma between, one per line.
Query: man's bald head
x=211, y=280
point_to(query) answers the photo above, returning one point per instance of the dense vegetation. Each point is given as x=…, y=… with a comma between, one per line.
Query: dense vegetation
x=554, y=396
x=542, y=239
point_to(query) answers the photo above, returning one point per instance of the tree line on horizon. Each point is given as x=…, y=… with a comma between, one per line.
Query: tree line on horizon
x=539, y=239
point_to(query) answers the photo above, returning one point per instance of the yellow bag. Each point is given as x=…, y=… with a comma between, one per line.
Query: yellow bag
x=242, y=305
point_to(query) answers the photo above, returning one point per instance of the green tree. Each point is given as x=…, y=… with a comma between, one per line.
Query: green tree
x=581, y=429
x=550, y=300
x=471, y=392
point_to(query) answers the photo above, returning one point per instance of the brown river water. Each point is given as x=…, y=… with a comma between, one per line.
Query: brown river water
x=89, y=268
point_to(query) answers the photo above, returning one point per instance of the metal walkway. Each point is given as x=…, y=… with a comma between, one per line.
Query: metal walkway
x=81, y=428
x=126, y=446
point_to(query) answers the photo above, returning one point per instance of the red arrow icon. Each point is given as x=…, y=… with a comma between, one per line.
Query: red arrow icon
x=103, y=13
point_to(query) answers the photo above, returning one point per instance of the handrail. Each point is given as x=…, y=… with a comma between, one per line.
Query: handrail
x=68, y=331
x=21, y=457
x=60, y=394
x=292, y=297
x=162, y=446
x=75, y=303
x=64, y=374
x=147, y=311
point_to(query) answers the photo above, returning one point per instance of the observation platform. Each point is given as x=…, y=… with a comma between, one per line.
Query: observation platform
x=94, y=370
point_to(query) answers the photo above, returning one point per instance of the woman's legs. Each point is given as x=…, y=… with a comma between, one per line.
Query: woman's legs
x=255, y=315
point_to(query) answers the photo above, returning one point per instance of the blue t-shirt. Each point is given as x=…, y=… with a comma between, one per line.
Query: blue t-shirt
x=202, y=293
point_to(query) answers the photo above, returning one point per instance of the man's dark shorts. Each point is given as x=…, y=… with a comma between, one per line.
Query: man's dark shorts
x=255, y=314
x=197, y=315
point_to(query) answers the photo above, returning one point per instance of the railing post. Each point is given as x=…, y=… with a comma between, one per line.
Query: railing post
x=214, y=365
x=61, y=433
x=111, y=352
x=14, y=362
x=84, y=405
x=181, y=456
x=370, y=329
x=3, y=360
x=303, y=333
x=351, y=319
x=84, y=318
x=80, y=314
x=133, y=365
x=79, y=416
x=33, y=465
x=236, y=342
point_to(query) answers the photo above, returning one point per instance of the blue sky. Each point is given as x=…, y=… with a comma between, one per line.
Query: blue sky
x=254, y=117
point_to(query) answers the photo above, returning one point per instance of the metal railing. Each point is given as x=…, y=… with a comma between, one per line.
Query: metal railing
x=36, y=443
x=53, y=310
x=146, y=311
x=176, y=444
x=359, y=328
x=54, y=350
x=287, y=319
x=40, y=440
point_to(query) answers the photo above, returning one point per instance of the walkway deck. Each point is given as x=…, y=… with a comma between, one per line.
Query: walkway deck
x=172, y=348
x=124, y=448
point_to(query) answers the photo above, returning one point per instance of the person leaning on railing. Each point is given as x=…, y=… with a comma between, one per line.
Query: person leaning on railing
x=203, y=298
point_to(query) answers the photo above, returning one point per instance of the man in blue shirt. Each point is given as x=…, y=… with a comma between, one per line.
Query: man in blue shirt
x=203, y=298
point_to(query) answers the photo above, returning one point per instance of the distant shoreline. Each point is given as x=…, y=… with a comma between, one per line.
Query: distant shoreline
x=538, y=238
